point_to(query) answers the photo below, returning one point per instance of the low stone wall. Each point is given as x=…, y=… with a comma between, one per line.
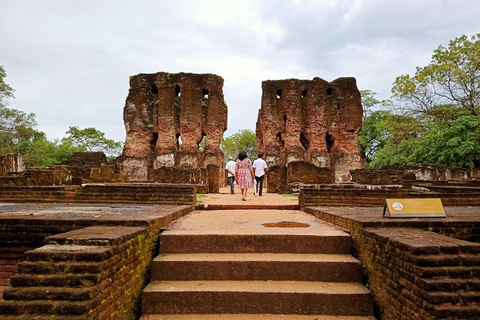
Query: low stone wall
x=413, y=273
x=199, y=177
x=375, y=195
x=94, y=270
x=11, y=163
x=392, y=175
x=416, y=274
x=179, y=194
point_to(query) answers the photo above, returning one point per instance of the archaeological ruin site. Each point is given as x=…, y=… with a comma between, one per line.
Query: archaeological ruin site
x=150, y=235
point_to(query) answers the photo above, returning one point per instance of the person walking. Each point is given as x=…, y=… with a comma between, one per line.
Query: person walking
x=230, y=166
x=244, y=173
x=261, y=169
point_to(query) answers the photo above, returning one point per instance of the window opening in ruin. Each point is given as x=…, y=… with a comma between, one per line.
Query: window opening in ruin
x=279, y=139
x=201, y=143
x=205, y=93
x=330, y=141
x=179, y=141
x=279, y=93
x=304, y=93
x=177, y=91
x=304, y=141
x=329, y=91
x=284, y=118
x=154, y=140
x=154, y=89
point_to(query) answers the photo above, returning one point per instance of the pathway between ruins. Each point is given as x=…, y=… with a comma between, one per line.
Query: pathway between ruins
x=255, y=264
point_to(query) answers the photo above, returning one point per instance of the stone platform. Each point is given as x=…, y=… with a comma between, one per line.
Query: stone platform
x=65, y=260
x=258, y=263
x=423, y=268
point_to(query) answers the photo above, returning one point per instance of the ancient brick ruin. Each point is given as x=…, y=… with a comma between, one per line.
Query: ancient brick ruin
x=11, y=163
x=313, y=124
x=167, y=116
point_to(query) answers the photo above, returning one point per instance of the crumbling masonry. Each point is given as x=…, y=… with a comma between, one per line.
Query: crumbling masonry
x=308, y=131
x=167, y=116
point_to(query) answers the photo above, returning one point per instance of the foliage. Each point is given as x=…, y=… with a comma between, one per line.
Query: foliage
x=452, y=143
x=382, y=130
x=368, y=101
x=242, y=140
x=440, y=123
x=92, y=139
x=452, y=77
x=15, y=126
x=5, y=90
x=41, y=152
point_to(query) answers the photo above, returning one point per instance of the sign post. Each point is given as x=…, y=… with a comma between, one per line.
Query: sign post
x=414, y=208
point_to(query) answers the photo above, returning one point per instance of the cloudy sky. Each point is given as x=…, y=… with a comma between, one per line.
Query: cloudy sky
x=70, y=61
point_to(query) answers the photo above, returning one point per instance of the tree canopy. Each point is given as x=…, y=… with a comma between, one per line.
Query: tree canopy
x=242, y=140
x=438, y=118
x=91, y=139
x=452, y=77
x=6, y=91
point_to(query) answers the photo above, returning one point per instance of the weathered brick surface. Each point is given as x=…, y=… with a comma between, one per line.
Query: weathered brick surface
x=96, y=272
x=413, y=273
x=103, y=193
x=375, y=195
x=311, y=121
x=95, y=265
x=11, y=163
x=166, y=118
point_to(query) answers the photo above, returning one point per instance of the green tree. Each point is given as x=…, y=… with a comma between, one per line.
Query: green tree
x=6, y=91
x=441, y=113
x=15, y=125
x=92, y=139
x=41, y=152
x=382, y=133
x=452, y=143
x=242, y=140
x=452, y=77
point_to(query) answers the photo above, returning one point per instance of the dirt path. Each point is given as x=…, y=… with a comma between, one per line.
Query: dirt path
x=225, y=198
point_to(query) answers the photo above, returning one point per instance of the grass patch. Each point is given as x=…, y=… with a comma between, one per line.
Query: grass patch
x=291, y=196
x=201, y=198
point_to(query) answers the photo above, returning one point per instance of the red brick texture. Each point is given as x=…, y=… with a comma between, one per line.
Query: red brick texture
x=413, y=273
x=95, y=272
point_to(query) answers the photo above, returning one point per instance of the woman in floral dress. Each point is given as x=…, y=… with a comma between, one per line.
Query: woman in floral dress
x=244, y=173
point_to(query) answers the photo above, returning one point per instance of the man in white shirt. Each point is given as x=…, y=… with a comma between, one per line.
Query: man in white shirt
x=260, y=167
x=230, y=166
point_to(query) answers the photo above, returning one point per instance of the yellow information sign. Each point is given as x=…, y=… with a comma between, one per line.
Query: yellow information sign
x=414, y=208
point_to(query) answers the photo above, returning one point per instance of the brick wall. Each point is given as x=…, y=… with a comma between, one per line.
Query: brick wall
x=158, y=193
x=97, y=273
x=414, y=273
x=373, y=195
x=26, y=240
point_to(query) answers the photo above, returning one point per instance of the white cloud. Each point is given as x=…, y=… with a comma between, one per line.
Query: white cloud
x=70, y=61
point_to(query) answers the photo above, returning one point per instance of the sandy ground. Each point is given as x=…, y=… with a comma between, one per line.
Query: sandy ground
x=225, y=198
x=253, y=222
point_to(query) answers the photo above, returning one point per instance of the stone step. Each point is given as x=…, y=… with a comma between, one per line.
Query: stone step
x=257, y=266
x=336, y=242
x=257, y=297
x=248, y=317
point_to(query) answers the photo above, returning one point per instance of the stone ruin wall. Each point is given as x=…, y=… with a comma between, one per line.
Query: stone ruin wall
x=11, y=163
x=164, y=109
x=312, y=124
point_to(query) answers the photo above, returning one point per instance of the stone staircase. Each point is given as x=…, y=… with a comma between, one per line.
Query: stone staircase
x=204, y=274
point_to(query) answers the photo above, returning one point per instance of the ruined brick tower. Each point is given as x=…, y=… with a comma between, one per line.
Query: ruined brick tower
x=308, y=130
x=167, y=116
